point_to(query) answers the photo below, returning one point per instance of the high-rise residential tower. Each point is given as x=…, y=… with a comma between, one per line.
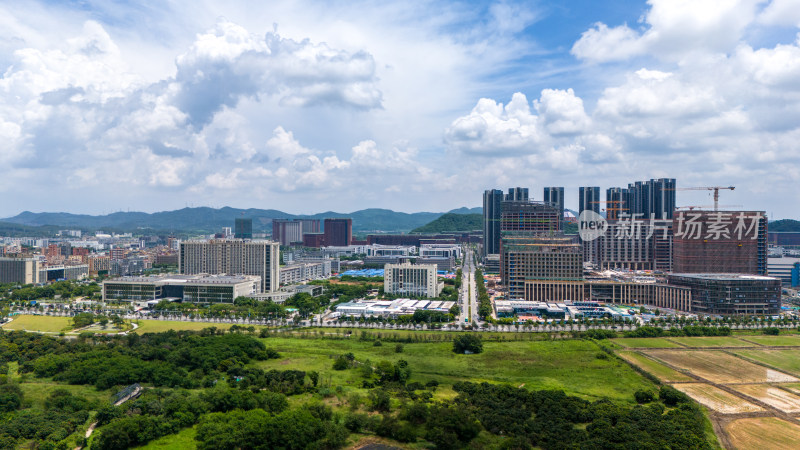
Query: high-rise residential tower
x=492, y=209
x=243, y=228
x=616, y=202
x=517, y=194
x=589, y=198
x=555, y=195
x=233, y=257
x=338, y=232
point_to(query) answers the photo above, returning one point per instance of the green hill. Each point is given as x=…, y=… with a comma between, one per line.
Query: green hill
x=784, y=225
x=452, y=222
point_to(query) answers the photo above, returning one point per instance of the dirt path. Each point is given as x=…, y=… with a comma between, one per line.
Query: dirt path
x=91, y=428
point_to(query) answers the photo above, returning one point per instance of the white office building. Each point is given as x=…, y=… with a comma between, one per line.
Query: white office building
x=411, y=279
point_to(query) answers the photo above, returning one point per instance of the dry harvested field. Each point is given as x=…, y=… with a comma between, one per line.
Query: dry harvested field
x=762, y=433
x=657, y=369
x=712, y=341
x=773, y=396
x=720, y=367
x=716, y=399
x=787, y=360
x=794, y=387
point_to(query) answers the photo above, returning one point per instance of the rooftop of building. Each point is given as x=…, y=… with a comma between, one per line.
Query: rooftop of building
x=724, y=276
x=188, y=279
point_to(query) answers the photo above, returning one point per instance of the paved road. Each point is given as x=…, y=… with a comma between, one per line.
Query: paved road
x=469, y=292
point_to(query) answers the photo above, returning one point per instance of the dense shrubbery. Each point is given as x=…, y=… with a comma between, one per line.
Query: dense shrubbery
x=551, y=419
x=597, y=334
x=257, y=429
x=158, y=413
x=66, y=289
x=63, y=413
x=484, y=302
x=467, y=343
x=164, y=359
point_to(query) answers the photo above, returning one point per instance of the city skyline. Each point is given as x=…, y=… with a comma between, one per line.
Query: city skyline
x=307, y=107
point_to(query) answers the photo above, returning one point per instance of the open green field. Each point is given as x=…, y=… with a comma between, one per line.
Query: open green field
x=778, y=341
x=571, y=365
x=183, y=440
x=712, y=341
x=429, y=334
x=36, y=390
x=159, y=326
x=646, y=343
x=785, y=360
x=655, y=368
x=47, y=324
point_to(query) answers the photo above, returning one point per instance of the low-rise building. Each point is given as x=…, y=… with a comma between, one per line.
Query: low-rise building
x=785, y=269
x=440, y=251
x=63, y=272
x=731, y=293
x=390, y=308
x=299, y=272
x=199, y=288
x=391, y=250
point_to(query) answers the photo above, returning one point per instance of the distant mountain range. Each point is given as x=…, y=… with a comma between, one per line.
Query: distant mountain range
x=208, y=220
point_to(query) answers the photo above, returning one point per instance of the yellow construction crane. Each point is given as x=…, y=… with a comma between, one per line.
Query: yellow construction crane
x=709, y=188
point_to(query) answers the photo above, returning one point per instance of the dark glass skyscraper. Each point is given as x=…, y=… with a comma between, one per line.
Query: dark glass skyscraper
x=662, y=198
x=243, y=228
x=555, y=195
x=656, y=197
x=492, y=209
x=616, y=202
x=589, y=198
x=517, y=194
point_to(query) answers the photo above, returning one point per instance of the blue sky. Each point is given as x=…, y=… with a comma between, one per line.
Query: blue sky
x=415, y=106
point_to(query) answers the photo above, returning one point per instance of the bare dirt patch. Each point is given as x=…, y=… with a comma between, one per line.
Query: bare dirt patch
x=773, y=396
x=716, y=399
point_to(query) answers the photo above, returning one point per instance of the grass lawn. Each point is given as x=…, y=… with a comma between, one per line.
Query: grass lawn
x=428, y=334
x=183, y=440
x=786, y=360
x=571, y=365
x=712, y=341
x=36, y=390
x=159, y=326
x=49, y=324
x=775, y=340
x=646, y=343
x=655, y=368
